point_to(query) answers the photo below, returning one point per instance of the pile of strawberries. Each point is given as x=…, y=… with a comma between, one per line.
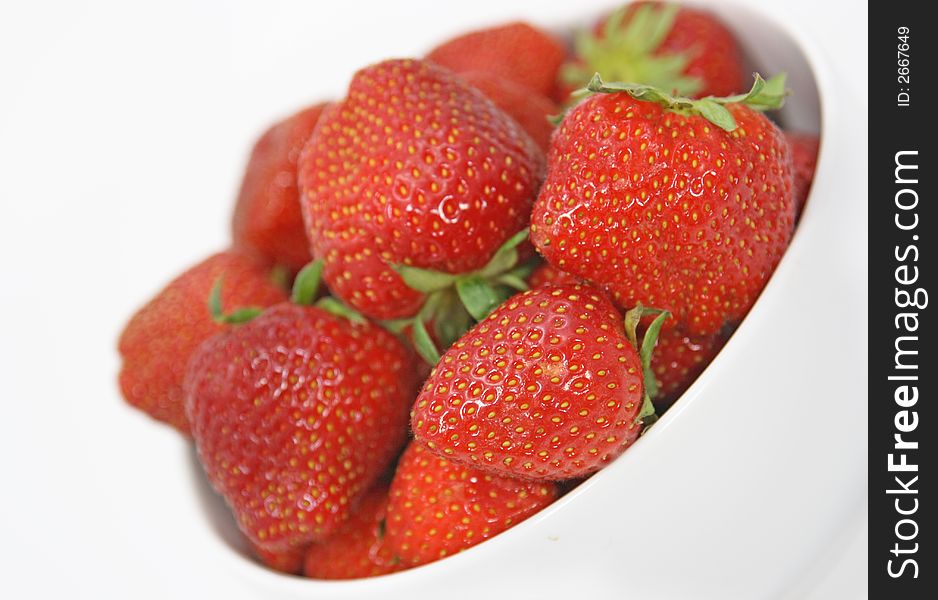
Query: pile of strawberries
x=506, y=303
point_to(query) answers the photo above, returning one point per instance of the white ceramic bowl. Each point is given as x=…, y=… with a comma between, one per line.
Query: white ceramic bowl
x=748, y=479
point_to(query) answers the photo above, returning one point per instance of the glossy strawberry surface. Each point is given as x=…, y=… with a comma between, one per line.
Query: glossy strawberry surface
x=547, y=274
x=157, y=342
x=267, y=218
x=295, y=414
x=679, y=358
x=547, y=387
x=531, y=110
x=804, y=150
x=414, y=167
x=289, y=561
x=667, y=209
x=517, y=52
x=359, y=548
x=439, y=507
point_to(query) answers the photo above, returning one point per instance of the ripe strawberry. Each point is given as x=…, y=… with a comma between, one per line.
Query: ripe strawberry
x=676, y=48
x=157, y=341
x=439, y=507
x=679, y=358
x=546, y=274
x=359, y=548
x=288, y=561
x=664, y=207
x=531, y=110
x=417, y=168
x=804, y=149
x=548, y=387
x=267, y=218
x=518, y=52
x=295, y=414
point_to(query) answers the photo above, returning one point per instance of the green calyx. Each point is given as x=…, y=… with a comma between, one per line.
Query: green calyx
x=626, y=51
x=645, y=350
x=429, y=281
x=764, y=95
x=455, y=301
x=236, y=317
x=306, y=284
x=306, y=289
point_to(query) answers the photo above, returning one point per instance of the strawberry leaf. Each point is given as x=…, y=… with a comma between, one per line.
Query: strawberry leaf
x=280, y=276
x=236, y=317
x=429, y=281
x=632, y=319
x=397, y=326
x=451, y=321
x=764, y=95
x=647, y=414
x=514, y=282
x=645, y=350
x=334, y=306
x=627, y=50
x=306, y=285
x=716, y=114
x=425, y=280
x=423, y=343
x=478, y=296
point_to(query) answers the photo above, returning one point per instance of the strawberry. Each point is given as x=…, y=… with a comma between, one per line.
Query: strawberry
x=439, y=507
x=548, y=387
x=804, y=149
x=663, y=206
x=546, y=274
x=414, y=170
x=679, y=359
x=676, y=48
x=359, y=548
x=288, y=561
x=267, y=218
x=517, y=52
x=157, y=342
x=295, y=414
x=531, y=110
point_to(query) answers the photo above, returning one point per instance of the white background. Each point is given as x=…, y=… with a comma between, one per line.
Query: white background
x=123, y=131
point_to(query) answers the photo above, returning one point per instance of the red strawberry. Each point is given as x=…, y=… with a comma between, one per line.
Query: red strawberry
x=414, y=167
x=548, y=387
x=518, y=52
x=804, y=149
x=547, y=274
x=286, y=561
x=295, y=415
x=679, y=358
x=267, y=218
x=439, y=507
x=664, y=207
x=158, y=340
x=531, y=110
x=358, y=549
x=675, y=48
